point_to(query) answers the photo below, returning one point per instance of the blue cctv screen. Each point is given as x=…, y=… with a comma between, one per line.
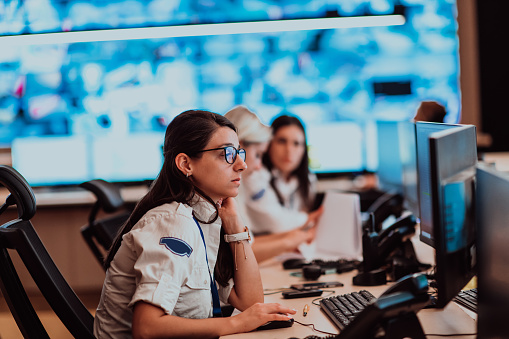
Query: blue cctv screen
x=117, y=96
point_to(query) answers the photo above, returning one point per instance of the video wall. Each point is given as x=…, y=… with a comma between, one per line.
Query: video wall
x=115, y=98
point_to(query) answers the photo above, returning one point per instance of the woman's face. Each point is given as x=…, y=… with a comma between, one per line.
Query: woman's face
x=287, y=149
x=254, y=153
x=211, y=173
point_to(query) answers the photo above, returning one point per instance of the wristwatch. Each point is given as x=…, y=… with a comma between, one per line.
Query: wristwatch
x=238, y=236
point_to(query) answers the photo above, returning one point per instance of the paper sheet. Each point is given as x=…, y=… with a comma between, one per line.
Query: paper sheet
x=339, y=230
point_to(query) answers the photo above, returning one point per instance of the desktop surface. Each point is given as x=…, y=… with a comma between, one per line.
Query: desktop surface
x=450, y=320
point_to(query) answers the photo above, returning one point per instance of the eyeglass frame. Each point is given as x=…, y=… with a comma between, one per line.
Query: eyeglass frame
x=237, y=152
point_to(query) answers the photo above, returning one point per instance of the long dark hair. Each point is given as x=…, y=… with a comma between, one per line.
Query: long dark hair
x=188, y=133
x=302, y=171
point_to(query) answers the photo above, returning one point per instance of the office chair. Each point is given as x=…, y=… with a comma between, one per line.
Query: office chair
x=19, y=235
x=99, y=234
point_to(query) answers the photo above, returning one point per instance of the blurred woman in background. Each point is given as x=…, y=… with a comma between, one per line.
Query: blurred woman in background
x=282, y=192
x=254, y=137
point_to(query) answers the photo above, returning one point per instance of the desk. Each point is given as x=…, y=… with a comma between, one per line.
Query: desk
x=500, y=159
x=452, y=319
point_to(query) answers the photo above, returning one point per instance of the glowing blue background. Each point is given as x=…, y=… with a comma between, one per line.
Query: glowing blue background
x=124, y=88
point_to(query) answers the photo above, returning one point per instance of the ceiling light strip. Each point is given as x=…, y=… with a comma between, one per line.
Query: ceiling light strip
x=202, y=30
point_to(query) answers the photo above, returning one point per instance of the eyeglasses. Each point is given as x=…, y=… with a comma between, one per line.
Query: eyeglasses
x=230, y=153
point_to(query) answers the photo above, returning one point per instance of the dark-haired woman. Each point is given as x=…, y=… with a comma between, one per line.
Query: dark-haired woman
x=182, y=237
x=287, y=197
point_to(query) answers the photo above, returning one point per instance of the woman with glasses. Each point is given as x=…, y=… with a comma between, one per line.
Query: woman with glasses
x=254, y=137
x=184, y=236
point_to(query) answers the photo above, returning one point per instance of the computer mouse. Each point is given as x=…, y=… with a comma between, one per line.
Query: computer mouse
x=312, y=272
x=290, y=264
x=276, y=324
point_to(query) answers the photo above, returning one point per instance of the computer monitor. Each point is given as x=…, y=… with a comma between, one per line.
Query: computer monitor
x=452, y=163
x=336, y=147
x=422, y=132
x=70, y=160
x=397, y=161
x=492, y=216
x=390, y=169
x=408, y=149
x=52, y=160
x=133, y=158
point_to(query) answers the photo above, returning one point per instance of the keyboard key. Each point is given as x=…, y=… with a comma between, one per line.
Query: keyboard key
x=467, y=299
x=342, y=309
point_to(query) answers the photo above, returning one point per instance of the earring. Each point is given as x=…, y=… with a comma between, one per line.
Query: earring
x=187, y=175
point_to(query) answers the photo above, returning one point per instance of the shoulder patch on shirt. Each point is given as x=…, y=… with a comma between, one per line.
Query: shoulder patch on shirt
x=177, y=246
x=258, y=195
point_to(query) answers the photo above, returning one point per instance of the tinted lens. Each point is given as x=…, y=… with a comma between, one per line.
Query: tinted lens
x=230, y=153
x=242, y=154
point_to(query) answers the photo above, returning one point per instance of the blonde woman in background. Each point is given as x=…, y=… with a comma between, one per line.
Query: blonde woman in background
x=254, y=137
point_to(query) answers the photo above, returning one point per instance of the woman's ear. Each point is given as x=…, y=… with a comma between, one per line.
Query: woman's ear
x=183, y=163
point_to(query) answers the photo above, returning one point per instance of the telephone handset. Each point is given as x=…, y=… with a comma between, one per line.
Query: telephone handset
x=393, y=314
x=389, y=249
x=391, y=237
x=407, y=220
x=416, y=283
x=385, y=206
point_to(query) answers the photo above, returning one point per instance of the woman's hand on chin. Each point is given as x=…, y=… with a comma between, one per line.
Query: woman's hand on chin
x=232, y=222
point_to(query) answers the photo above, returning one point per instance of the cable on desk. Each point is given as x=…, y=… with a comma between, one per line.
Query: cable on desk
x=331, y=292
x=275, y=290
x=314, y=328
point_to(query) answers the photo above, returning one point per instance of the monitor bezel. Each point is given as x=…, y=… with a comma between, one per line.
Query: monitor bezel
x=493, y=296
x=453, y=270
x=438, y=127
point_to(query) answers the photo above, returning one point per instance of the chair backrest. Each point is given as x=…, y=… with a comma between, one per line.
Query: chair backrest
x=19, y=235
x=100, y=234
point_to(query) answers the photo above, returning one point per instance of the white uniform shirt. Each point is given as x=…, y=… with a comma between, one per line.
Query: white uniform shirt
x=262, y=206
x=162, y=261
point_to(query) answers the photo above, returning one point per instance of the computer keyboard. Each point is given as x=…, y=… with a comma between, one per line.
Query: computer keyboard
x=468, y=299
x=342, y=309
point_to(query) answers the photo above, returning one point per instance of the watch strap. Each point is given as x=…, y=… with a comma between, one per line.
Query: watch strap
x=237, y=236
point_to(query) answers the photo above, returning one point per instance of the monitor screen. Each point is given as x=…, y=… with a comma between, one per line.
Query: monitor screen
x=422, y=132
x=452, y=161
x=335, y=147
x=330, y=75
x=52, y=160
x=397, y=161
x=70, y=160
x=492, y=216
x=137, y=157
x=408, y=150
x=389, y=172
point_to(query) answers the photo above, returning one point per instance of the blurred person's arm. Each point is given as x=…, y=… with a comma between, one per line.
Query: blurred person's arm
x=270, y=245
